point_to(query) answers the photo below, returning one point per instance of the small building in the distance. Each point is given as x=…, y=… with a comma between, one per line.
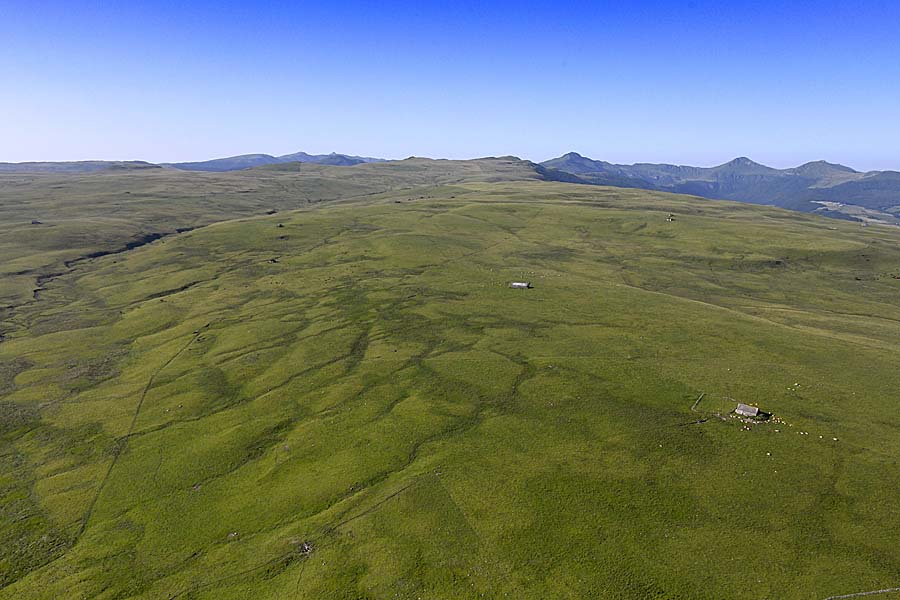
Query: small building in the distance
x=520, y=285
x=746, y=410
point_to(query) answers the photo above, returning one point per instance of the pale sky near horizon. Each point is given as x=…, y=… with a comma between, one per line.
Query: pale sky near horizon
x=691, y=82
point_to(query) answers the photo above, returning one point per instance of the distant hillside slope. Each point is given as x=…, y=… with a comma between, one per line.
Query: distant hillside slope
x=246, y=161
x=334, y=159
x=231, y=163
x=50, y=220
x=82, y=166
x=875, y=195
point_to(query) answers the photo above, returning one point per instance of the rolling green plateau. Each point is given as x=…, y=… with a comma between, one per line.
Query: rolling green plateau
x=50, y=221
x=345, y=399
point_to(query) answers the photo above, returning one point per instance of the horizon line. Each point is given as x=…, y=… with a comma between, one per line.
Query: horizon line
x=379, y=158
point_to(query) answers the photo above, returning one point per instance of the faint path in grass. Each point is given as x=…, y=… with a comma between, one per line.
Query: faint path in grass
x=802, y=329
x=281, y=559
x=740, y=310
x=374, y=507
x=137, y=411
x=859, y=594
x=826, y=311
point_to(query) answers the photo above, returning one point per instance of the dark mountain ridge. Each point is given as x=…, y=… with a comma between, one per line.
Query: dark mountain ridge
x=804, y=188
x=246, y=161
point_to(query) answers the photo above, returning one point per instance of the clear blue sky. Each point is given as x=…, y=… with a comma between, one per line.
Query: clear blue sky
x=692, y=82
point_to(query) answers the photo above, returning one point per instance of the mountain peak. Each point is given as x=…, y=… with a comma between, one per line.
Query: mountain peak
x=821, y=168
x=575, y=163
x=742, y=164
x=742, y=161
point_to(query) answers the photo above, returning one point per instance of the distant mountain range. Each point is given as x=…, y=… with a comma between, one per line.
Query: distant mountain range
x=245, y=161
x=81, y=166
x=819, y=186
x=231, y=163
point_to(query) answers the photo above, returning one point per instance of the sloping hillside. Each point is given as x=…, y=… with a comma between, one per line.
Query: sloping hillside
x=49, y=220
x=84, y=166
x=350, y=402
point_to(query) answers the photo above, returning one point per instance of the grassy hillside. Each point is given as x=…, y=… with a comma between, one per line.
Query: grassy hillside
x=48, y=221
x=350, y=402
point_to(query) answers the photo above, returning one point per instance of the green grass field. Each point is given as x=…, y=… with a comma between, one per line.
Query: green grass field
x=348, y=401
